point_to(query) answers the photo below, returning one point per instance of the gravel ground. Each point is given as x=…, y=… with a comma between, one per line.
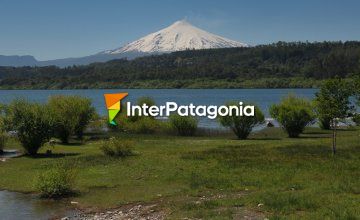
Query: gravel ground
x=135, y=212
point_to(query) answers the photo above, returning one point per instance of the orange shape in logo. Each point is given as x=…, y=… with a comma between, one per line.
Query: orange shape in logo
x=113, y=105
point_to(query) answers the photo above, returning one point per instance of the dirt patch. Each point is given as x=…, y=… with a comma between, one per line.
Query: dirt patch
x=158, y=211
x=137, y=211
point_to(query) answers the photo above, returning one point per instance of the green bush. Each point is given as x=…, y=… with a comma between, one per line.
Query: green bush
x=184, y=125
x=57, y=181
x=242, y=125
x=145, y=125
x=293, y=114
x=32, y=122
x=142, y=125
x=71, y=114
x=324, y=122
x=116, y=147
x=356, y=119
x=3, y=139
x=3, y=136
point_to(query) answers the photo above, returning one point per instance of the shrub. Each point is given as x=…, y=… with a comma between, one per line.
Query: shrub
x=57, y=181
x=3, y=136
x=116, y=147
x=356, y=119
x=184, y=125
x=32, y=122
x=71, y=114
x=242, y=125
x=293, y=114
x=324, y=122
x=3, y=139
x=144, y=125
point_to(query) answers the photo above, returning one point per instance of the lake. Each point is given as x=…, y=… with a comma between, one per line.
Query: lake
x=26, y=206
x=262, y=97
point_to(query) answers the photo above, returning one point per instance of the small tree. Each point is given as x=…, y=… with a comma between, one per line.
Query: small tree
x=294, y=114
x=332, y=101
x=242, y=125
x=32, y=122
x=71, y=114
x=86, y=112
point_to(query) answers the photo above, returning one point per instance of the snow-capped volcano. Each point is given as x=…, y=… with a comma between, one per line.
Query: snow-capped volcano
x=181, y=35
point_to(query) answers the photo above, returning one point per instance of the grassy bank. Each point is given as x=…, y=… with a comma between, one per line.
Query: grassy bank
x=212, y=177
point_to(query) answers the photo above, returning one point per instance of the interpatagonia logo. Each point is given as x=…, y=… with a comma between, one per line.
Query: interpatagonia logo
x=113, y=105
x=210, y=111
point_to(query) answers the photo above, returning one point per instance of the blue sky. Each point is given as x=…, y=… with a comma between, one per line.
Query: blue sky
x=49, y=29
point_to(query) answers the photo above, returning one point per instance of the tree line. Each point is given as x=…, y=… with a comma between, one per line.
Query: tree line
x=295, y=64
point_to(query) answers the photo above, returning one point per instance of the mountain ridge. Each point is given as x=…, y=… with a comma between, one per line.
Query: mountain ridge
x=179, y=36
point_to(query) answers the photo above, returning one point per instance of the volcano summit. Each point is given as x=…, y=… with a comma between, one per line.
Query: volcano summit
x=181, y=35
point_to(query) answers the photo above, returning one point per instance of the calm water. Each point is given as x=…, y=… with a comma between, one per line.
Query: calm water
x=262, y=97
x=23, y=207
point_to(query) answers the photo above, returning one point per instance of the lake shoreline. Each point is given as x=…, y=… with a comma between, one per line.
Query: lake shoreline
x=264, y=98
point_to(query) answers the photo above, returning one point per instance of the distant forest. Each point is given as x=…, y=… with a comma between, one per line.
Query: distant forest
x=279, y=65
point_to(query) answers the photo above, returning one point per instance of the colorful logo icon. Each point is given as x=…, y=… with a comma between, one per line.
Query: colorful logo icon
x=113, y=105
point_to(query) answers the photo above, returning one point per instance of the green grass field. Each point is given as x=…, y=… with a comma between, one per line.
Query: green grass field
x=215, y=177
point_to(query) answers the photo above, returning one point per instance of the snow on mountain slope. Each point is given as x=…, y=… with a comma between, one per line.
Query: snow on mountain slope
x=179, y=36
